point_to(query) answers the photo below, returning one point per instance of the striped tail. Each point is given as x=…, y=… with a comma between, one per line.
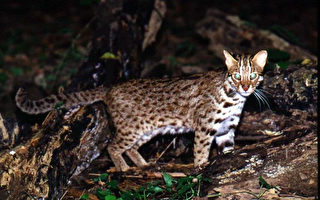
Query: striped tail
x=58, y=101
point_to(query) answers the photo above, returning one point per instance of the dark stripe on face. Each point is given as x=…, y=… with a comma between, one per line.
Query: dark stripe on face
x=244, y=61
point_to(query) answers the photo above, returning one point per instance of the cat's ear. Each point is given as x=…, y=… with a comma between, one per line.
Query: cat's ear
x=230, y=61
x=260, y=59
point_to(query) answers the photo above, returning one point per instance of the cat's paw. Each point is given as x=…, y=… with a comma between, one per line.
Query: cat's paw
x=225, y=148
x=200, y=167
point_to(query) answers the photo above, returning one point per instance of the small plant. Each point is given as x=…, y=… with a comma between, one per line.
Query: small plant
x=84, y=197
x=279, y=58
x=58, y=105
x=263, y=184
x=182, y=188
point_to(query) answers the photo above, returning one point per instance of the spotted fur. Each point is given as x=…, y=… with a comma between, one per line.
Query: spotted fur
x=208, y=104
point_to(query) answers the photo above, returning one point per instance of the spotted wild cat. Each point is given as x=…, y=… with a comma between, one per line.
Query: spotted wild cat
x=208, y=104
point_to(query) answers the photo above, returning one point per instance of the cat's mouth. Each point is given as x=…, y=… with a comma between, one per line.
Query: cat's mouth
x=245, y=93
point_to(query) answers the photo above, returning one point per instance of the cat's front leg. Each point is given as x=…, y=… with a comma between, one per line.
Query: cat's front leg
x=225, y=142
x=201, y=150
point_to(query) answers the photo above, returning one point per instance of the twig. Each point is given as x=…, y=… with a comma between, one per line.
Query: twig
x=64, y=194
x=165, y=150
x=160, y=175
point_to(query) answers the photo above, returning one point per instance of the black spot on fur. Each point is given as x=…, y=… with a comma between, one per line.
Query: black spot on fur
x=213, y=132
x=218, y=120
x=39, y=103
x=227, y=104
x=233, y=126
x=23, y=101
x=49, y=100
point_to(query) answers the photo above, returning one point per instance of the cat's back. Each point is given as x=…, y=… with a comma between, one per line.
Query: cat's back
x=166, y=95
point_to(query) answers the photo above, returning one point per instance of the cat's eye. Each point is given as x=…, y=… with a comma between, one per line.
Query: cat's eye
x=236, y=76
x=253, y=76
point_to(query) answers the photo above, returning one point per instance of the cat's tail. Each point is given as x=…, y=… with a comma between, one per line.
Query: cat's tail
x=60, y=100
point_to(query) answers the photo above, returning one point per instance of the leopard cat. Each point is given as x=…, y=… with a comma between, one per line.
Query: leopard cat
x=208, y=104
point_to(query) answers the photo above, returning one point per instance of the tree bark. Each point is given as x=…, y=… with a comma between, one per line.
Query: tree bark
x=65, y=144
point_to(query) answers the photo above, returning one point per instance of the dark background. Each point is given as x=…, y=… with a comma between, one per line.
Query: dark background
x=36, y=36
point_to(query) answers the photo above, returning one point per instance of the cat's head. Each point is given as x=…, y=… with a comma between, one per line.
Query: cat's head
x=245, y=71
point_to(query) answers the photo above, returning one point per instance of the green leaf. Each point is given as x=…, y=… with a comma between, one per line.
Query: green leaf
x=283, y=65
x=58, y=105
x=96, y=179
x=154, y=189
x=182, y=182
x=263, y=183
x=3, y=77
x=276, y=55
x=109, y=55
x=167, y=179
x=113, y=184
x=17, y=71
x=101, y=194
x=110, y=197
x=104, y=177
x=128, y=195
x=306, y=62
x=85, y=197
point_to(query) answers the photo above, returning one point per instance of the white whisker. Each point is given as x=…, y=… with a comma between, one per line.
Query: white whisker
x=262, y=97
x=264, y=91
x=257, y=98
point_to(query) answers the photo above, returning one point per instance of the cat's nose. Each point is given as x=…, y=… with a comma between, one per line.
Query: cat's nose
x=245, y=87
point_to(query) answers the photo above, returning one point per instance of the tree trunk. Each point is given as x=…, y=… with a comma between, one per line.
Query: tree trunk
x=65, y=144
